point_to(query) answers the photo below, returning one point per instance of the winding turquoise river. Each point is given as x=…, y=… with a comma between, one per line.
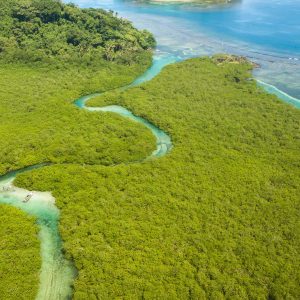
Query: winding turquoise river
x=265, y=31
x=57, y=274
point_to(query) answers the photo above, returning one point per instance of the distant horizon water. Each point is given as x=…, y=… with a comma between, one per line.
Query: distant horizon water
x=265, y=31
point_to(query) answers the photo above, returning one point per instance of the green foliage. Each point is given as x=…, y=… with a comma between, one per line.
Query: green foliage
x=217, y=218
x=39, y=122
x=19, y=255
x=48, y=31
x=51, y=54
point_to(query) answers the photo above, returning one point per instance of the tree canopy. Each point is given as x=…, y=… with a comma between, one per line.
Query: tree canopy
x=217, y=218
x=19, y=255
x=43, y=30
x=51, y=54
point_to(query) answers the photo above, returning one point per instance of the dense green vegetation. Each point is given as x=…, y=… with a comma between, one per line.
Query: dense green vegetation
x=49, y=56
x=19, y=255
x=50, y=31
x=217, y=218
x=38, y=122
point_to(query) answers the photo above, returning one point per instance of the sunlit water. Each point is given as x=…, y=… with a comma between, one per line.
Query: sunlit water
x=266, y=31
x=163, y=140
x=57, y=273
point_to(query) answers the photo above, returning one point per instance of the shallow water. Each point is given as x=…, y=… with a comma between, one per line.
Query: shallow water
x=163, y=140
x=57, y=274
x=266, y=31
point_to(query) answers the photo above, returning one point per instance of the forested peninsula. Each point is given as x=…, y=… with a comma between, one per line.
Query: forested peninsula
x=43, y=69
x=216, y=218
x=47, y=30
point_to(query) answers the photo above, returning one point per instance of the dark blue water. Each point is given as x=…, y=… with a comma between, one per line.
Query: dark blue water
x=266, y=31
x=267, y=23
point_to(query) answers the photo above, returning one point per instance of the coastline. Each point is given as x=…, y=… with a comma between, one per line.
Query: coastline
x=272, y=89
x=229, y=146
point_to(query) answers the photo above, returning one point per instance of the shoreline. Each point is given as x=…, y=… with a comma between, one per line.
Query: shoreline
x=42, y=204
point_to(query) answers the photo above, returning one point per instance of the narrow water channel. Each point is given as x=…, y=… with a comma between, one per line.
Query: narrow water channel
x=57, y=274
x=187, y=31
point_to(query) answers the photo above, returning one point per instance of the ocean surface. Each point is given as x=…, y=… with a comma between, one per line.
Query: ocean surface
x=266, y=31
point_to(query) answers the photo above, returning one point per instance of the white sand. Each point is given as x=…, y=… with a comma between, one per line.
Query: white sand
x=8, y=189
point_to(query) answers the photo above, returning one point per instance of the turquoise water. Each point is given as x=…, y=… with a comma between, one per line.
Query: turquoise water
x=266, y=31
x=280, y=94
x=57, y=274
x=163, y=140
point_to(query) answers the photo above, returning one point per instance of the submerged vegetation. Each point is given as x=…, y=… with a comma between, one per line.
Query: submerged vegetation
x=217, y=218
x=19, y=255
